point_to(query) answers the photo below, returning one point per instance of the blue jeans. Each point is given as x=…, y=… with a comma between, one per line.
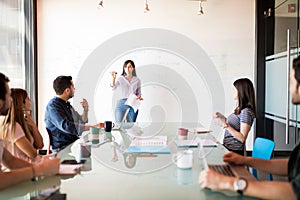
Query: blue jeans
x=121, y=109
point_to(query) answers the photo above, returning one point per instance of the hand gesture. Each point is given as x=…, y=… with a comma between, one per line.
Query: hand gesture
x=139, y=98
x=114, y=74
x=220, y=118
x=85, y=104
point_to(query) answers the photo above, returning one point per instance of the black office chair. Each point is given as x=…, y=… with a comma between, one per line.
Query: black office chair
x=50, y=141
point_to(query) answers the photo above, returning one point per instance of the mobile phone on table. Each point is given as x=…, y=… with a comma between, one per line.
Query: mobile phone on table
x=73, y=162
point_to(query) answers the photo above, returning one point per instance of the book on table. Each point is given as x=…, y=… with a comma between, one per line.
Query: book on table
x=153, y=145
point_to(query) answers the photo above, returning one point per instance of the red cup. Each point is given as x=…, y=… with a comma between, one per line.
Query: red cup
x=182, y=133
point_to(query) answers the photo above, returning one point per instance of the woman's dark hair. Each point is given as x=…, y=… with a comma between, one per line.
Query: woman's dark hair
x=246, y=95
x=296, y=67
x=125, y=64
x=3, y=80
x=61, y=83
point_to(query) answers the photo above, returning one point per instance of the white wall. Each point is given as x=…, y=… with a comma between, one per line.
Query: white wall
x=187, y=62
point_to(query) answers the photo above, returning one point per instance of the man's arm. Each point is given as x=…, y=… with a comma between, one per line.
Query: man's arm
x=21, y=170
x=261, y=189
x=273, y=166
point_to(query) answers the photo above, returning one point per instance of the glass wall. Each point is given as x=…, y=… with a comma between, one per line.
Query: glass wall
x=282, y=48
x=12, y=41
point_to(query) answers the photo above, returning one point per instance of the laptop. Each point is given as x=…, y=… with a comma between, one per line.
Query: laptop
x=228, y=169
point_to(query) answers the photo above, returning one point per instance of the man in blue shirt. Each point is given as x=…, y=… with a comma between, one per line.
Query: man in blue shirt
x=63, y=123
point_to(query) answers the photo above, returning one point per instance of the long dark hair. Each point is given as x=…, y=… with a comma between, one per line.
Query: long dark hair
x=296, y=67
x=246, y=95
x=125, y=64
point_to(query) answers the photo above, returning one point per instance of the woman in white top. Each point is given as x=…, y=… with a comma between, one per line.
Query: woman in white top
x=129, y=84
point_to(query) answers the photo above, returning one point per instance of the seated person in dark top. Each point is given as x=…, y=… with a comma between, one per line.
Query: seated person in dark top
x=63, y=123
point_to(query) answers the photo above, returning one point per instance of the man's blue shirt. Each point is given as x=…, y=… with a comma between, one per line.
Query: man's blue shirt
x=64, y=123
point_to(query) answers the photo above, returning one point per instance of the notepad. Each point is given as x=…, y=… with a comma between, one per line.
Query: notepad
x=66, y=169
x=187, y=143
x=148, y=150
x=207, y=143
x=153, y=141
x=202, y=130
x=153, y=145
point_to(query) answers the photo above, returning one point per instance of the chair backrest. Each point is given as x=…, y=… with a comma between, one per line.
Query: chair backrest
x=263, y=149
x=50, y=140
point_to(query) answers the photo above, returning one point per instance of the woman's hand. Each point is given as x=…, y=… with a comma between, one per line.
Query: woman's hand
x=114, y=74
x=29, y=120
x=221, y=118
x=47, y=166
x=139, y=98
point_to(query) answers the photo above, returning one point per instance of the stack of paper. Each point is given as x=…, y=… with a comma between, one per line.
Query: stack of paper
x=153, y=141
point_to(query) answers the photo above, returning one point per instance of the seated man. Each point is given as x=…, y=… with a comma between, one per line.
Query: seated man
x=63, y=123
x=263, y=189
x=20, y=170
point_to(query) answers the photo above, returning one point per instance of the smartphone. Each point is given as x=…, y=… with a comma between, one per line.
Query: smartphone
x=46, y=193
x=73, y=162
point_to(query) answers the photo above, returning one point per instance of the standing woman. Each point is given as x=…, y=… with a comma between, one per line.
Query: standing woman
x=18, y=130
x=129, y=84
x=238, y=124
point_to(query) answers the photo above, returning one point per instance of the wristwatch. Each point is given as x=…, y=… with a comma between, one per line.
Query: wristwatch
x=240, y=185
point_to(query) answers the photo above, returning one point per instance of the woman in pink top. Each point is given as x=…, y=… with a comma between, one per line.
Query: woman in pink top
x=19, y=132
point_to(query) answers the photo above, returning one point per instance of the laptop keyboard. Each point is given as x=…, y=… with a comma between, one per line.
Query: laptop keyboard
x=222, y=169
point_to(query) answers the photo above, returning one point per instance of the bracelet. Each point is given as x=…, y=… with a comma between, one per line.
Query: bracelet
x=34, y=178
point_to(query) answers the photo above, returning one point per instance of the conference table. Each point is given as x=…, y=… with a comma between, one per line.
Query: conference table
x=107, y=175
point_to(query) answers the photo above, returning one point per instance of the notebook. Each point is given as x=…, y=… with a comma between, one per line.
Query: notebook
x=187, y=143
x=153, y=145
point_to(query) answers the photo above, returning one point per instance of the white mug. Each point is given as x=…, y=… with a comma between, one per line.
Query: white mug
x=184, y=159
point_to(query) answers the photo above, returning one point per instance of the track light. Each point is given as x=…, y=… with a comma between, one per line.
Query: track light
x=200, y=11
x=146, y=7
x=100, y=4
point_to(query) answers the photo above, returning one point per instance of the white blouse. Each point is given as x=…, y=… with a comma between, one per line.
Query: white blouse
x=127, y=88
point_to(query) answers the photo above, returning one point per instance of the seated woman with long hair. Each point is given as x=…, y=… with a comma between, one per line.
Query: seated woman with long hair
x=19, y=131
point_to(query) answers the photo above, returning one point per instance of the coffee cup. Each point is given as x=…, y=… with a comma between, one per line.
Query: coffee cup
x=94, y=131
x=108, y=125
x=184, y=159
x=182, y=133
x=101, y=125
